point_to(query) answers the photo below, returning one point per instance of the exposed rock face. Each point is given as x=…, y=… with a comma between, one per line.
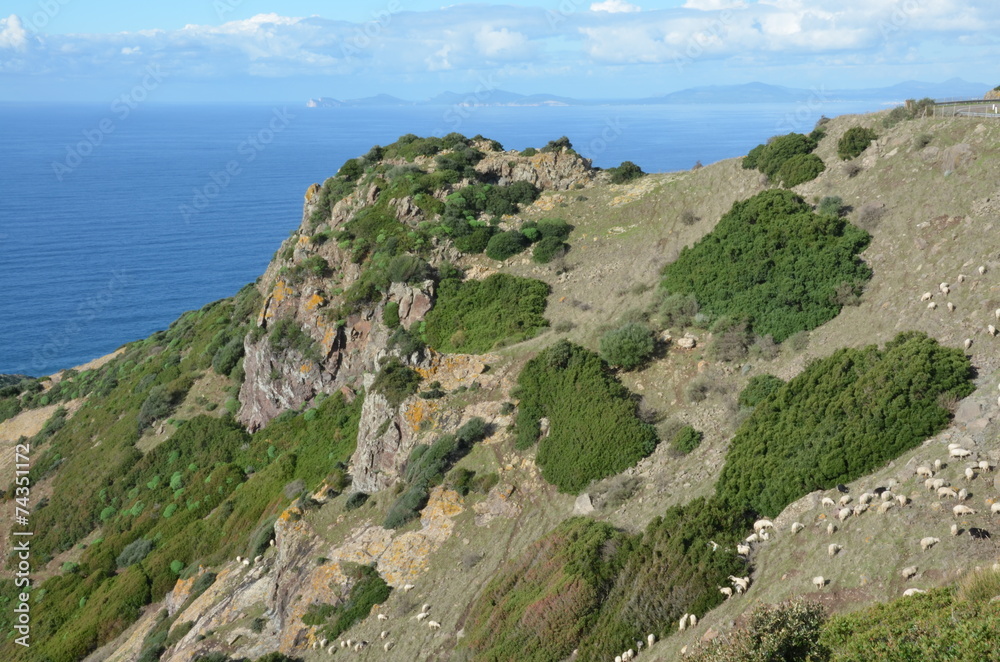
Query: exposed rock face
x=379, y=457
x=558, y=171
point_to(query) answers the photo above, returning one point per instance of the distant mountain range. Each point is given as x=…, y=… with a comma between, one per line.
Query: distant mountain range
x=746, y=93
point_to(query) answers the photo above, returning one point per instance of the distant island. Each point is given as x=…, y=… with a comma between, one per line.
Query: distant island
x=712, y=94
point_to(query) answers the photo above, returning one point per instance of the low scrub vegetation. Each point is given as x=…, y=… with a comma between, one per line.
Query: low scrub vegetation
x=787, y=159
x=855, y=141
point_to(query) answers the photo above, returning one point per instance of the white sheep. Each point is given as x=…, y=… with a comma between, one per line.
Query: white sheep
x=741, y=584
x=239, y=559
x=726, y=591
x=833, y=548
x=819, y=582
x=866, y=497
x=257, y=559
x=650, y=639
x=931, y=306
x=844, y=500
x=797, y=526
x=961, y=278
x=926, y=296
x=929, y=483
x=937, y=465
x=618, y=658
x=912, y=591
x=323, y=642
x=827, y=501
x=246, y=562
x=830, y=528
x=943, y=287
x=909, y=571
x=992, y=330
x=995, y=508
x=762, y=524
x=959, y=452
x=425, y=608
x=970, y=473
x=954, y=529
x=996, y=313
x=343, y=644
x=902, y=499
x=682, y=625
x=434, y=625
x=693, y=620
x=944, y=492
x=984, y=465
x=386, y=646
x=968, y=343
x=422, y=615
x=924, y=471
x=962, y=510
x=982, y=270
x=331, y=649
x=742, y=549
x=885, y=507
x=938, y=483
x=951, y=307
x=270, y=543
x=752, y=538
x=382, y=617
x=764, y=536
x=407, y=588
x=928, y=542
x=844, y=514
x=383, y=634
x=859, y=509
x=963, y=494
x=887, y=496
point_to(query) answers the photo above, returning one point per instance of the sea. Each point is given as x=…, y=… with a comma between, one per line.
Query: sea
x=116, y=219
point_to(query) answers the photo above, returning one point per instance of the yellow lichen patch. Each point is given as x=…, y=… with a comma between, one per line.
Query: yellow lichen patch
x=420, y=413
x=281, y=291
x=454, y=370
x=315, y=301
x=329, y=337
x=311, y=192
x=303, y=241
x=305, y=368
x=290, y=515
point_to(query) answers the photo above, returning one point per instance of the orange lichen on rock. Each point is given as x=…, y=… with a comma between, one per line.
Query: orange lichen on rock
x=315, y=301
x=421, y=412
x=281, y=291
x=311, y=192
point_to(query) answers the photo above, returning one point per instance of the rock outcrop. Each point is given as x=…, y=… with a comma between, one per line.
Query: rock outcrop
x=558, y=171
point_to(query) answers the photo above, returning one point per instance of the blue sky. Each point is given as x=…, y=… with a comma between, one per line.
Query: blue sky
x=260, y=50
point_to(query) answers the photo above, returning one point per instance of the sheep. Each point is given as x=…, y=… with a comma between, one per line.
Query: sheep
x=833, y=548
x=928, y=542
x=970, y=474
x=693, y=620
x=982, y=270
x=434, y=625
x=951, y=307
x=979, y=534
x=886, y=507
x=765, y=536
x=962, y=510
x=961, y=278
x=929, y=483
x=422, y=615
x=992, y=330
x=618, y=658
x=270, y=543
x=996, y=313
x=343, y=644
x=322, y=642
x=984, y=465
x=866, y=497
x=752, y=538
x=937, y=465
x=954, y=529
x=246, y=562
x=819, y=582
x=386, y=646
x=902, y=499
x=650, y=639
x=330, y=650
x=968, y=343
x=844, y=514
x=740, y=583
x=726, y=591
x=742, y=549
x=924, y=471
x=995, y=508
x=682, y=625
x=762, y=524
x=947, y=492
x=963, y=494
x=257, y=559
x=382, y=617
x=931, y=306
x=383, y=634
x=926, y=296
x=714, y=545
x=909, y=571
x=938, y=483
x=859, y=509
x=408, y=587
x=887, y=496
x=797, y=526
x=912, y=591
x=827, y=501
x=943, y=287
x=844, y=500
x=830, y=528
x=959, y=452
x=239, y=559
x=359, y=645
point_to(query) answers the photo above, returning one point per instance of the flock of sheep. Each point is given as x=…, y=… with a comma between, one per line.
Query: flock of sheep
x=945, y=289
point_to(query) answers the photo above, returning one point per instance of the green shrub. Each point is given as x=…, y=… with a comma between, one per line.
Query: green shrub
x=355, y=500
x=548, y=249
x=686, y=440
x=855, y=141
x=799, y=169
x=506, y=244
x=476, y=240
x=408, y=268
x=841, y=418
x=176, y=566
x=529, y=151
x=628, y=346
x=758, y=389
x=396, y=382
x=286, y=335
x=831, y=205
x=475, y=315
x=593, y=428
x=202, y=583
x=367, y=590
x=160, y=403
x=789, y=631
x=771, y=157
x=261, y=537
x=134, y=552
x=626, y=172
x=772, y=260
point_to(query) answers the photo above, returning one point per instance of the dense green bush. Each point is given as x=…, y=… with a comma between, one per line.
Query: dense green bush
x=788, y=632
x=626, y=172
x=134, y=552
x=855, y=141
x=396, y=382
x=841, y=418
x=831, y=205
x=408, y=268
x=799, y=169
x=160, y=403
x=548, y=249
x=770, y=157
x=758, y=389
x=628, y=346
x=594, y=431
x=367, y=590
x=390, y=315
x=686, y=440
x=506, y=244
x=473, y=316
x=772, y=261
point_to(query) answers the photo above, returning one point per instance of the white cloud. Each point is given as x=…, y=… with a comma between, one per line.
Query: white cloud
x=714, y=5
x=13, y=36
x=615, y=7
x=502, y=42
x=128, y=50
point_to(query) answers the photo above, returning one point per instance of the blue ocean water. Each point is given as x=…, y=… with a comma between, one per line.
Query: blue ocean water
x=113, y=221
